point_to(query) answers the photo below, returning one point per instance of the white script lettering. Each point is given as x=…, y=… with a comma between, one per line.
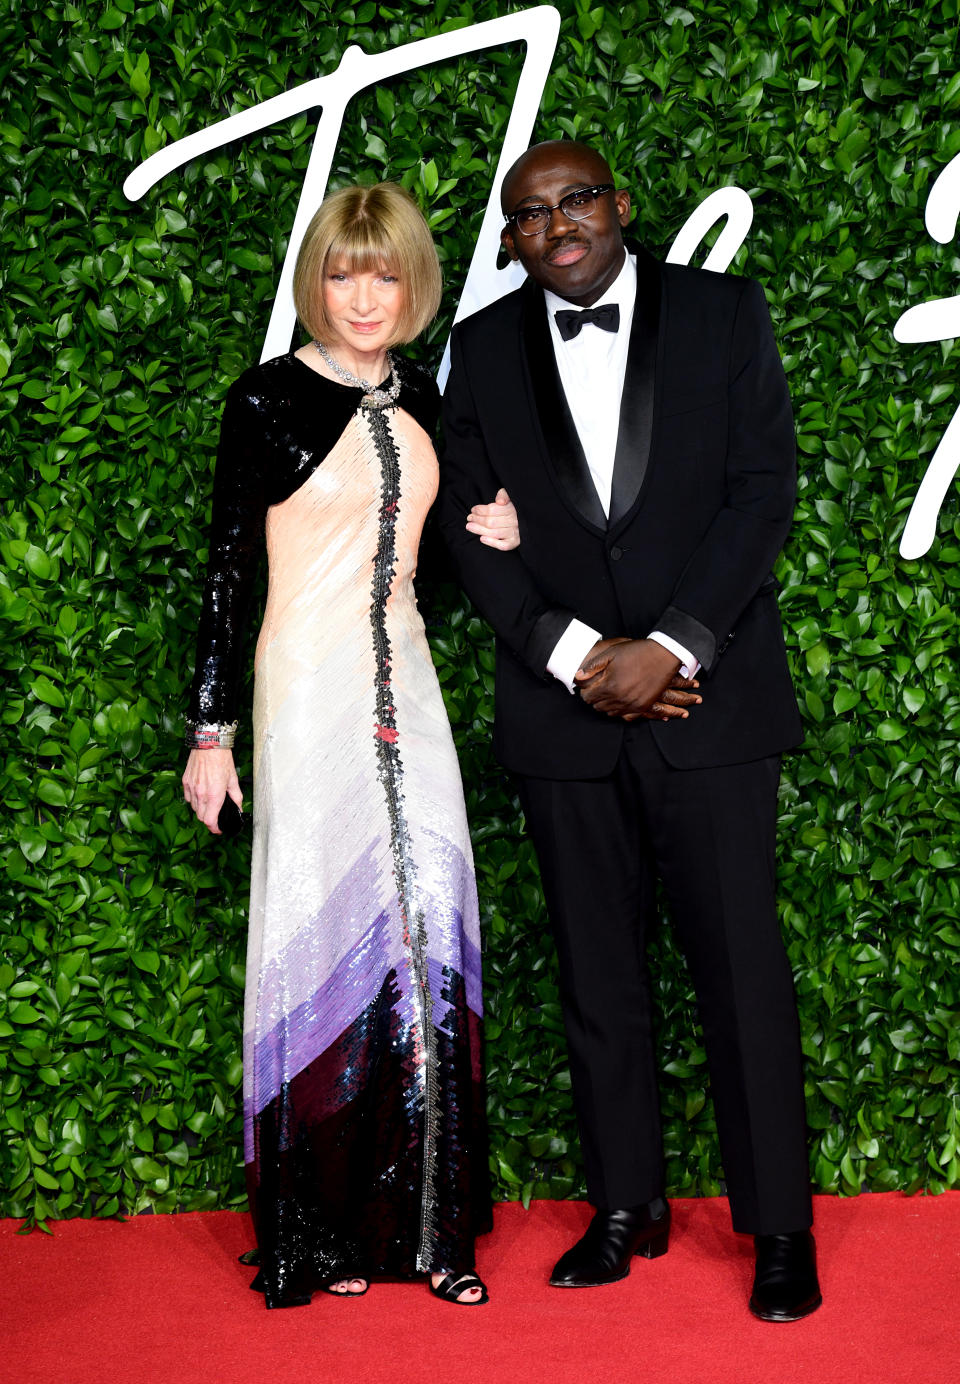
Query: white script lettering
x=937, y=320
x=538, y=27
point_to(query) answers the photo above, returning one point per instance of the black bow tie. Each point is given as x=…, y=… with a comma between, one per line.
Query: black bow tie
x=606, y=317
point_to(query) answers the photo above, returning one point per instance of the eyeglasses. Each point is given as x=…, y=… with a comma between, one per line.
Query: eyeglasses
x=576, y=205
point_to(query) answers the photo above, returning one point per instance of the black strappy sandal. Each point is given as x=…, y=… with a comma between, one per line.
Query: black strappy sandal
x=450, y=1287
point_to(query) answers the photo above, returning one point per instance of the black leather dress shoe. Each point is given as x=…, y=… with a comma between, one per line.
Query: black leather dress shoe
x=603, y=1254
x=785, y=1287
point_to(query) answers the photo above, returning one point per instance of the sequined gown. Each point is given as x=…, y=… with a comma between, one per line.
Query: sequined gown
x=364, y=1138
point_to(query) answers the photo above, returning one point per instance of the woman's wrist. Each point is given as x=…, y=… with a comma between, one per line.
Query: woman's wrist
x=210, y=735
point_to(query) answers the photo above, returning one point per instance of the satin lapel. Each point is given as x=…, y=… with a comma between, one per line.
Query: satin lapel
x=639, y=387
x=562, y=447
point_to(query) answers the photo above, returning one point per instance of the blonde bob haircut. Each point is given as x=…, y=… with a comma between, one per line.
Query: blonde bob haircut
x=363, y=229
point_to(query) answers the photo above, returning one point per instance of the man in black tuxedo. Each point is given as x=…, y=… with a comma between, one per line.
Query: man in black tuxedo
x=643, y=695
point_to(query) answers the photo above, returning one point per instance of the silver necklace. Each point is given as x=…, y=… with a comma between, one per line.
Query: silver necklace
x=374, y=396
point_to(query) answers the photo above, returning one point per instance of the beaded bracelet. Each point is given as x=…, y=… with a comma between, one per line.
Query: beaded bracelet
x=210, y=735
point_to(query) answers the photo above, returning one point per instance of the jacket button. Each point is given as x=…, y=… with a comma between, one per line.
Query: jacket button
x=616, y=554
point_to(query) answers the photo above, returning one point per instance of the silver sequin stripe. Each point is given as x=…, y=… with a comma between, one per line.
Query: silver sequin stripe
x=391, y=776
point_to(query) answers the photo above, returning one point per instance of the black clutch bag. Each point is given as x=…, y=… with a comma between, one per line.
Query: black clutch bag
x=230, y=819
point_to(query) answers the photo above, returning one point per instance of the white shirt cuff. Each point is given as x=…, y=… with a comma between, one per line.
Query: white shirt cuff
x=689, y=666
x=570, y=650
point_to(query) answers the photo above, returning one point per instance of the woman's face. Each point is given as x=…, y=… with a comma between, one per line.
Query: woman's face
x=363, y=306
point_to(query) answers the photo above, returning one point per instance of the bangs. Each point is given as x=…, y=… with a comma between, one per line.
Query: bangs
x=363, y=248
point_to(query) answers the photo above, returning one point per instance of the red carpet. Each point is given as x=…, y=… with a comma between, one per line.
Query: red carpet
x=161, y=1300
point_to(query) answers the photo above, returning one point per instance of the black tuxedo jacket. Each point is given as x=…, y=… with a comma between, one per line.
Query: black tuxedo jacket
x=703, y=493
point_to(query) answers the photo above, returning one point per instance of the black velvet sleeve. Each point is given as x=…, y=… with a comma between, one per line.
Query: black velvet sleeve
x=236, y=542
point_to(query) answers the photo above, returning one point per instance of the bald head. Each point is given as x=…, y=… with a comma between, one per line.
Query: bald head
x=542, y=158
x=575, y=247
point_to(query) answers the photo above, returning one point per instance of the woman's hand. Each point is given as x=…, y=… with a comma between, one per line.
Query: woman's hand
x=208, y=778
x=496, y=524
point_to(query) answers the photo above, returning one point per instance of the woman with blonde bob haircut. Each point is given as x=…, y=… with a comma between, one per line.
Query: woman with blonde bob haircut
x=367, y=227
x=363, y=1101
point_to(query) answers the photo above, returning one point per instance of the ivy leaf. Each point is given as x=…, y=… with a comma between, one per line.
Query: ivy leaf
x=24, y=1014
x=45, y=691
x=845, y=699
x=147, y=1169
x=33, y=844
x=37, y=562
x=818, y=659
x=49, y=791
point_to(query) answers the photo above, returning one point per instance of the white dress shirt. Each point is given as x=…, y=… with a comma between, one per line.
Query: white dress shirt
x=592, y=367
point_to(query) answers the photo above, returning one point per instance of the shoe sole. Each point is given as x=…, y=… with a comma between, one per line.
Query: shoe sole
x=588, y=1282
x=654, y=1248
x=785, y=1316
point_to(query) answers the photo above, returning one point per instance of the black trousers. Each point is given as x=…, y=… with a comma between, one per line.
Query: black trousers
x=710, y=836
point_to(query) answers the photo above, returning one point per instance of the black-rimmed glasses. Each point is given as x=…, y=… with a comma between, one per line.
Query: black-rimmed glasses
x=577, y=205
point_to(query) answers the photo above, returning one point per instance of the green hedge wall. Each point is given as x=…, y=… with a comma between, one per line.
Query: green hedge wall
x=122, y=325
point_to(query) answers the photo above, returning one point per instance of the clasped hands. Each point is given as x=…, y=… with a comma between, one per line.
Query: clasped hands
x=635, y=679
